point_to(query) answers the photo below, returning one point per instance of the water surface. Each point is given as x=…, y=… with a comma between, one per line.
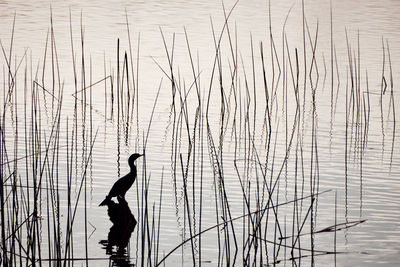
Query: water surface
x=362, y=167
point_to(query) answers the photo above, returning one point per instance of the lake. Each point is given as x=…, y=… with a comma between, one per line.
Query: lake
x=268, y=130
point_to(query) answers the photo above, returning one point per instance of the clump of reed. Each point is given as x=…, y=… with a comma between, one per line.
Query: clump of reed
x=279, y=177
x=40, y=203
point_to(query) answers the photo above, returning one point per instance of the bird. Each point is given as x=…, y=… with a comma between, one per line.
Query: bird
x=122, y=185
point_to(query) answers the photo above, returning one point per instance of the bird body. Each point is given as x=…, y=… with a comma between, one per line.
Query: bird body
x=122, y=185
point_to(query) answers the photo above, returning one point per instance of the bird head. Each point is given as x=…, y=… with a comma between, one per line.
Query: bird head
x=132, y=159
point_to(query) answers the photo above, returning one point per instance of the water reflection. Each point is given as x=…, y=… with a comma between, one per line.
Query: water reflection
x=120, y=232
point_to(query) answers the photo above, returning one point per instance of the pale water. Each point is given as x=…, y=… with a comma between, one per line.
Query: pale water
x=359, y=163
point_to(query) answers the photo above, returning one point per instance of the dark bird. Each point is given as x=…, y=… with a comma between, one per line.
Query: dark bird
x=123, y=184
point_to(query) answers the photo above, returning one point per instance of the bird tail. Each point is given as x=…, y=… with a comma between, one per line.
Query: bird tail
x=105, y=201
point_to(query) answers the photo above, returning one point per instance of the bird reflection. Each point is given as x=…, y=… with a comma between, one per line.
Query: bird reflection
x=120, y=232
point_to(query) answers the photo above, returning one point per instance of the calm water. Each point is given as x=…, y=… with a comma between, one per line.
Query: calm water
x=367, y=183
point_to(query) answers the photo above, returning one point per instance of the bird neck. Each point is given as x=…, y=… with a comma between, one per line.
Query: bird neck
x=133, y=169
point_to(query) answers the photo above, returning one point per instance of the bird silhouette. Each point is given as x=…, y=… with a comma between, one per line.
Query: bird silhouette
x=123, y=184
